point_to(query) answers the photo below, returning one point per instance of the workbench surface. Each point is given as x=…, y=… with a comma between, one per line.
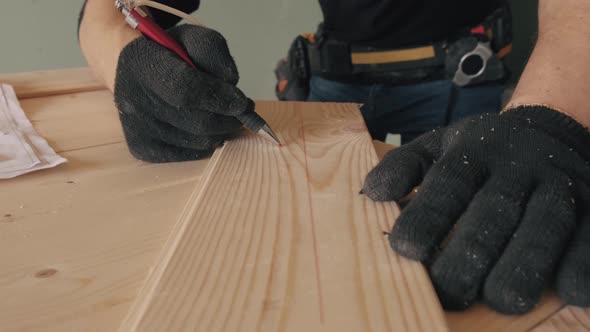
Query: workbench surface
x=78, y=240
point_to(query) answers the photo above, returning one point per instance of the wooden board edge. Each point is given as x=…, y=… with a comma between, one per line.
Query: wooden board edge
x=425, y=296
x=146, y=292
x=486, y=319
x=45, y=83
x=382, y=148
x=57, y=92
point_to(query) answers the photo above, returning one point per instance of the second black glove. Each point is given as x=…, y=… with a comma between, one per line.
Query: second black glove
x=510, y=196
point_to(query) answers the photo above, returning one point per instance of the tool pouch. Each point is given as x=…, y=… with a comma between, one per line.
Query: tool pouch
x=470, y=61
x=293, y=72
x=476, y=57
x=471, y=56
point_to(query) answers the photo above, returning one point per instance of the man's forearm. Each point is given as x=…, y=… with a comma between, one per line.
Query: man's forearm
x=103, y=34
x=558, y=73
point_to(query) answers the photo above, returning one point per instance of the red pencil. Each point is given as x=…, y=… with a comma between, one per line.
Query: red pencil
x=150, y=29
x=137, y=19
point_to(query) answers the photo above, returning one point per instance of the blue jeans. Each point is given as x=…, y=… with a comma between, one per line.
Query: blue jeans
x=410, y=110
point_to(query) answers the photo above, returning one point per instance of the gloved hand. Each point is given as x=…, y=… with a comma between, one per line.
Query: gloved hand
x=171, y=111
x=503, y=208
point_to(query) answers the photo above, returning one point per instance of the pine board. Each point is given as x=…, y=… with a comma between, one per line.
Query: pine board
x=569, y=319
x=278, y=239
x=77, y=241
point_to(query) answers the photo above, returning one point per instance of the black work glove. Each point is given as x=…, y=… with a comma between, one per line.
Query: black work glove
x=509, y=195
x=171, y=111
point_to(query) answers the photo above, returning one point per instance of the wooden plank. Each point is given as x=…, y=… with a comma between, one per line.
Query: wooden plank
x=99, y=221
x=571, y=319
x=75, y=121
x=278, y=239
x=52, y=82
x=483, y=319
x=77, y=241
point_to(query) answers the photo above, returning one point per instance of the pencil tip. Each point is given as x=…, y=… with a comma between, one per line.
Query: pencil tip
x=267, y=132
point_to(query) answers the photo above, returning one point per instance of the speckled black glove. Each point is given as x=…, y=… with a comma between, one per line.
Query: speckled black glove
x=170, y=111
x=508, y=195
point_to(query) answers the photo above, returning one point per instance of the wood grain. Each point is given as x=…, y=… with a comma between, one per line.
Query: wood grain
x=52, y=82
x=75, y=121
x=278, y=239
x=77, y=241
x=569, y=319
x=73, y=256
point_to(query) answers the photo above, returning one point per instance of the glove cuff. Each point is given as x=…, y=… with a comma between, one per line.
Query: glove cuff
x=557, y=124
x=80, y=17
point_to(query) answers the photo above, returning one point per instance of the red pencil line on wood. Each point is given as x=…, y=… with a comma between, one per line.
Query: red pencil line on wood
x=312, y=221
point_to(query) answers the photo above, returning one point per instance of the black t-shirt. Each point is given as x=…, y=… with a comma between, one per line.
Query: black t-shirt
x=398, y=23
x=383, y=23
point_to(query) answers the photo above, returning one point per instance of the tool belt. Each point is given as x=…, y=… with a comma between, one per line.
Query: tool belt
x=469, y=57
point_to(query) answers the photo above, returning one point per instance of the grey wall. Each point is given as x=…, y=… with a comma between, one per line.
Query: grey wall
x=38, y=34
x=41, y=34
x=259, y=33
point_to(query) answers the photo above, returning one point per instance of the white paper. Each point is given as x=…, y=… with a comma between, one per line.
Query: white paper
x=22, y=150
